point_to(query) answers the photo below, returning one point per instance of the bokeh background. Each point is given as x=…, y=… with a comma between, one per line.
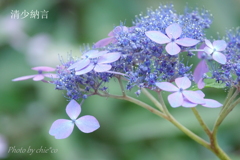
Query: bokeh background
x=127, y=132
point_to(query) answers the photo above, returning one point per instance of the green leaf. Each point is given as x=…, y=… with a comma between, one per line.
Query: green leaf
x=211, y=83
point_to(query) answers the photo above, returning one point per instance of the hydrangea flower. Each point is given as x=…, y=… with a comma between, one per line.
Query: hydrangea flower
x=214, y=50
x=98, y=65
x=40, y=76
x=62, y=128
x=172, y=39
x=86, y=59
x=180, y=94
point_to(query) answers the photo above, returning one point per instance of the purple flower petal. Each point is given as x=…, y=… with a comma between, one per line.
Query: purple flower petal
x=187, y=42
x=183, y=82
x=166, y=86
x=157, y=37
x=219, y=57
x=82, y=64
x=44, y=69
x=193, y=97
x=109, y=57
x=220, y=45
x=91, y=54
x=175, y=99
x=87, y=124
x=38, y=77
x=94, y=54
x=172, y=48
x=210, y=103
x=200, y=70
x=209, y=44
x=85, y=70
x=61, y=128
x=103, y=42
x=208, y=50
x=50, y=75
x=201, y=84
x=200, y=93
x=73, y=109
x=174, y=31
x=188, y=104
x=102, y=67
x=24, y=78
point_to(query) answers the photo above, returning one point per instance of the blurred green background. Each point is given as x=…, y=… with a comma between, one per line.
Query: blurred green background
x=127, y=132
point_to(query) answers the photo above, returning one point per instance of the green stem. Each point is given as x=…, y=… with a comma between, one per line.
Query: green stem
x=121, y=86
x=230, y=93
x=136, y=101
x=167, y=117
x=152, y=98
x=201, y=122
x=165, y=110
x=227, y=108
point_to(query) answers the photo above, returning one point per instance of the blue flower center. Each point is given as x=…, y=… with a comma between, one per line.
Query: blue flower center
x=173, y=39
x=180, y=90
x=40, y=72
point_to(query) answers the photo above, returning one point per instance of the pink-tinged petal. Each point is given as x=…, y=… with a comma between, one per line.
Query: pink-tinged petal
x=187, y=42
x=188, y=104
x=200, y=70
x=44, y=69
x=172, y=48
x=111, y=33
x=210, y=103
x=158, y=37
x=220, y=45
x=102, y=67
x=175, y=99
x=201, y=84
x=109, y=57
x=73, y=109
x=86, y=69
x=23, y=78
x=193, y=97
x=174, y=31
x=166, y=86
x=183, y=82
x=50, y=75
x=208, y=50
x=209, y=44
x=87, y=124
x=82, y=64
x=200, y=93
x=61, y=128
x=38, y=77
x=103, y=42
x=117, y=30
x=201, y=52
x=219, y=57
